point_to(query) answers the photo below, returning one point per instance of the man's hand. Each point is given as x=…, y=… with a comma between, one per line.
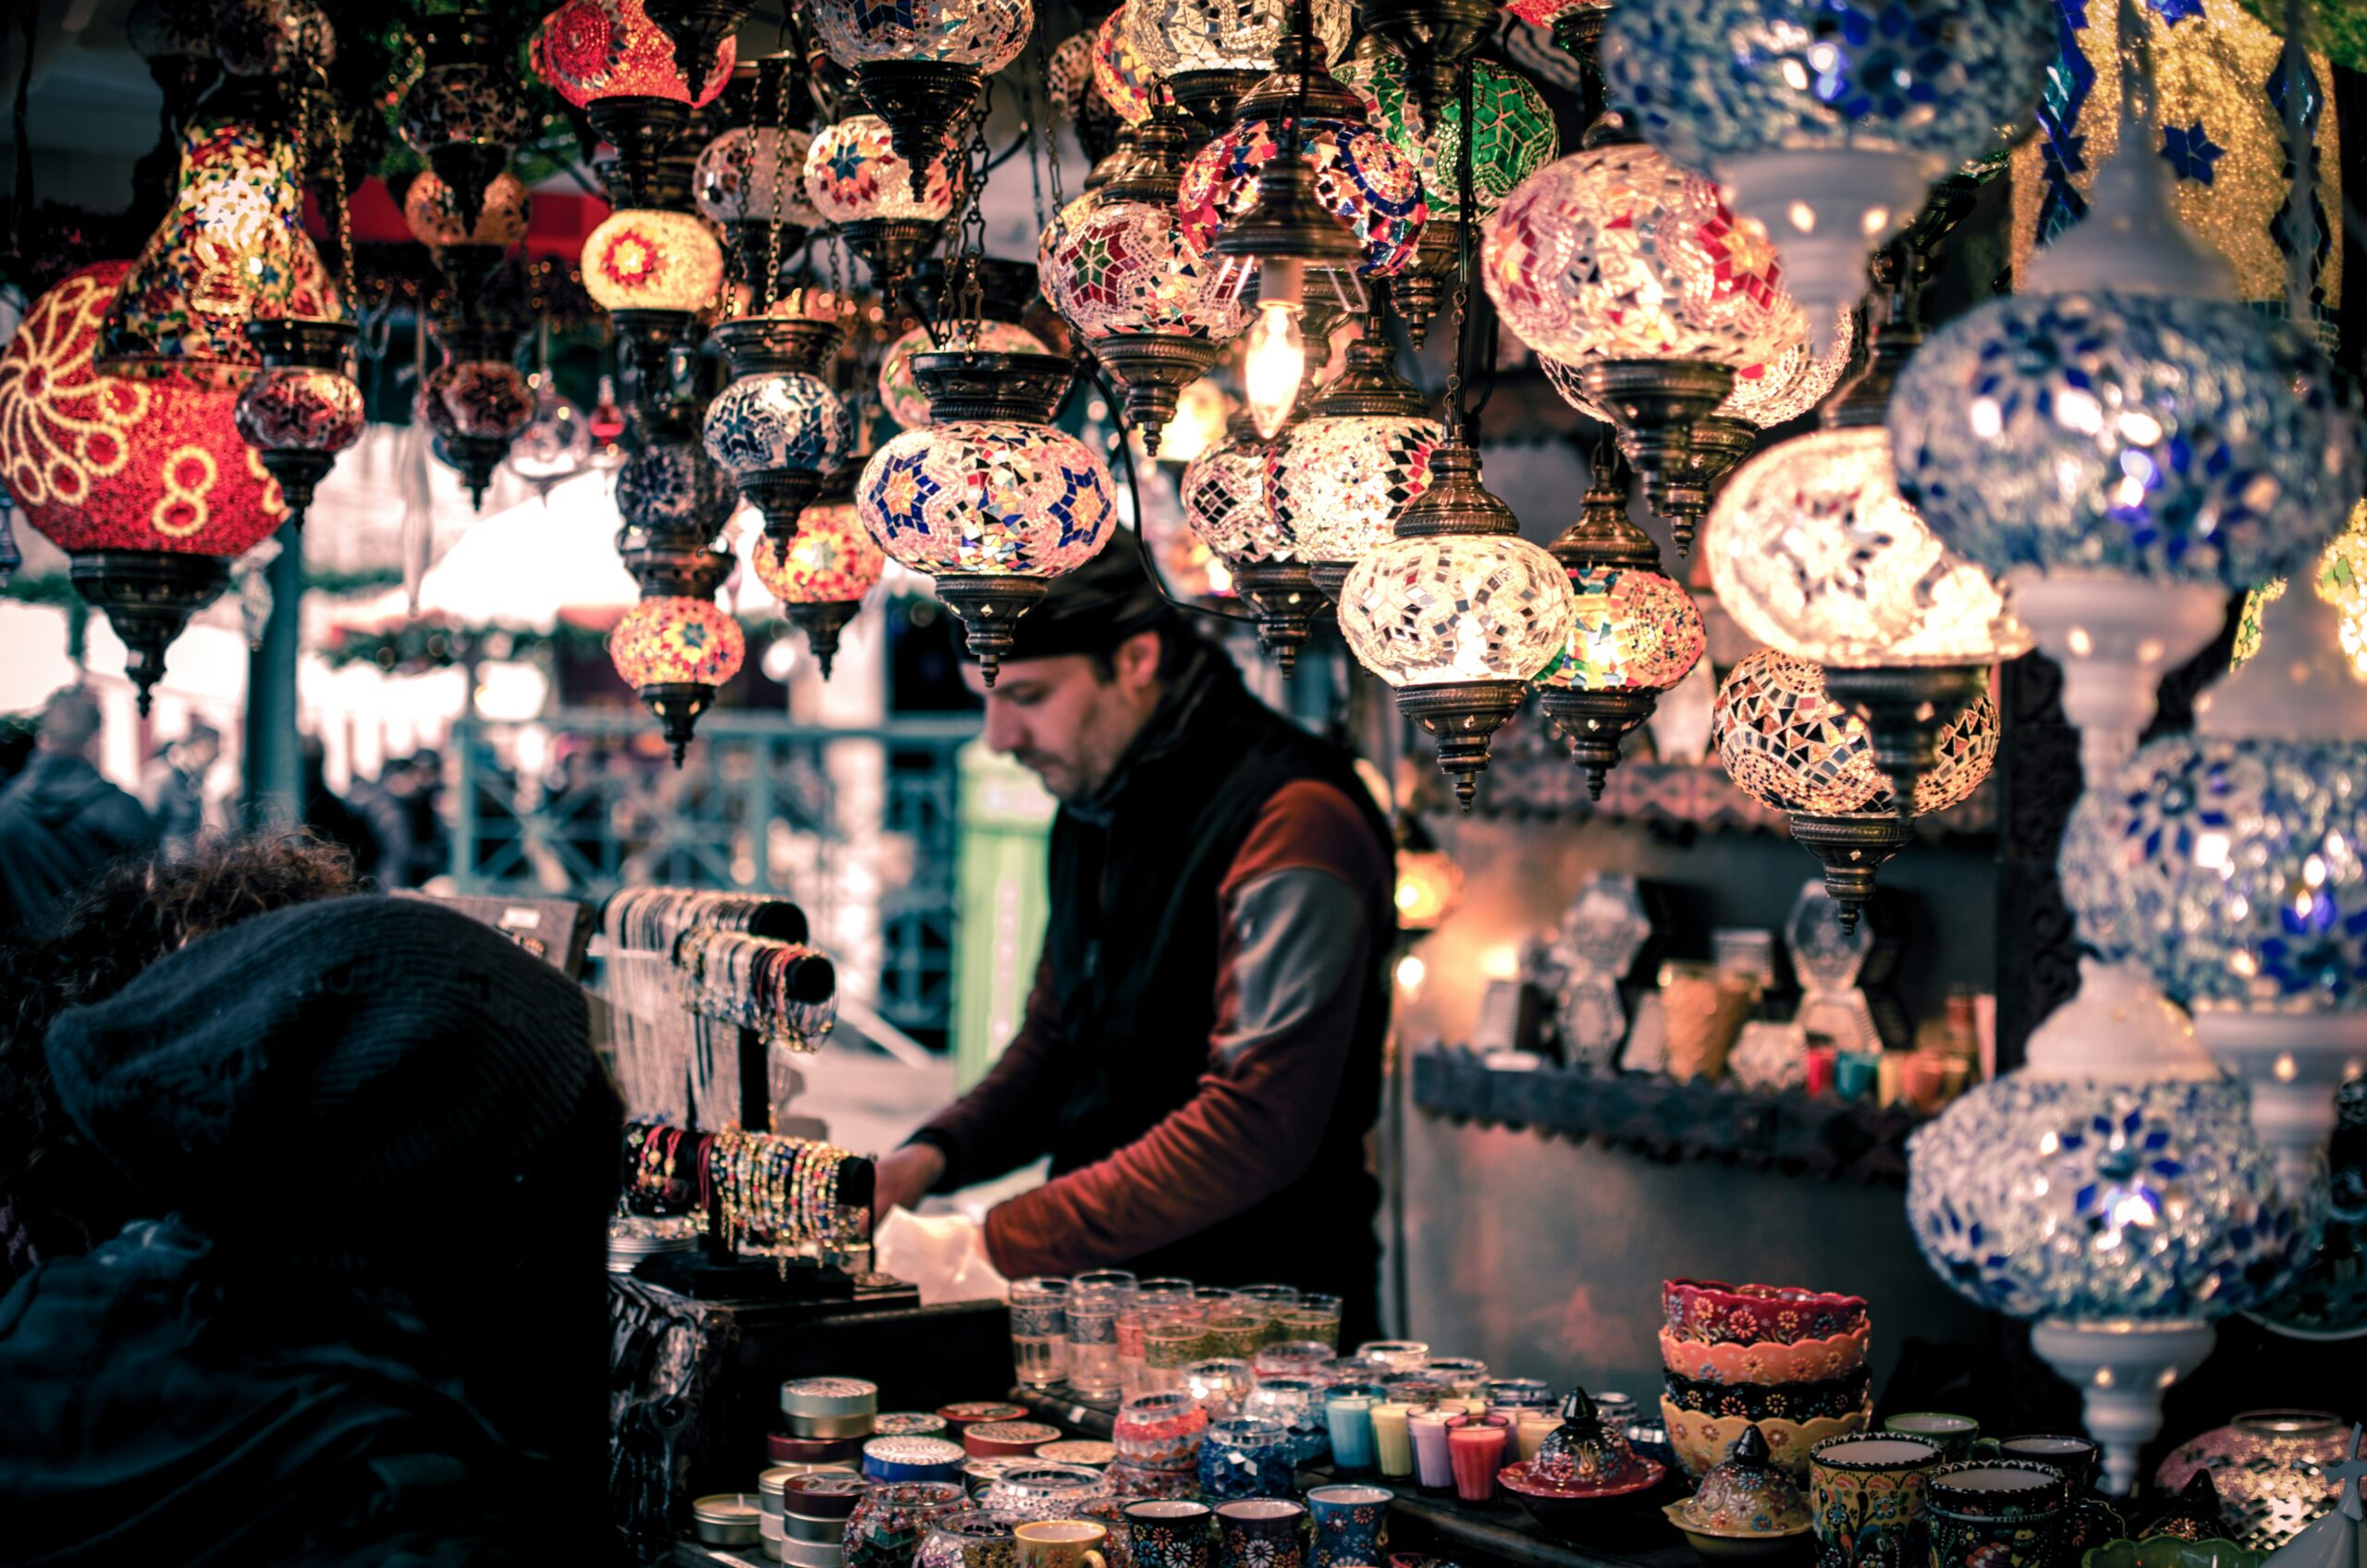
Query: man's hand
x=903, y=1178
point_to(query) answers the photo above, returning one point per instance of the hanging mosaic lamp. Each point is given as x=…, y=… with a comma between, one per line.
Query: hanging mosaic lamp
x=921, y=63
x=752, y=181
x=2221, y=76
x=1120, y=269
x=273, y=38
x=2125, y=444
x=465, y=113
x=175, y=39
x=991, y=499
x=477, y=402
x=1341, y=481
x=1826, y=122
x=1457, y=613
x=303, y=407
x=608, y=58
x=1634, y=630
x=857, y=181
x=231, y=250
x=1631, y=270
x=1441, y=34
x=1789, y=744
x=1227, y=504
x=1515, y=138
x=1119, y=74
x=675, y=652
x=433, y=216
x=1211, y=52
x=778, y=428
x=2111, y=1193
x=146, y=483
x=1812, y=551
x=820, y=577
x=901, y=397
x=1576, y=25
x=652, y=270
x=2227, y=864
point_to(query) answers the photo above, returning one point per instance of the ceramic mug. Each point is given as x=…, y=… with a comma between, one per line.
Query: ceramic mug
x=1349, y=1524
x=1865, y=1497
x=1061, y=1543
x=2089, y=1522
x=1262, y=1532
x=1170, y=1534
x=1958, y=1435
x=968, y=1540
x=1994, y=1513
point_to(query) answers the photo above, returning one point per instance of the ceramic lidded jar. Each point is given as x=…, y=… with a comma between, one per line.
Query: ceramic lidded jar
x=1581, y=1450
x=1747, y=1492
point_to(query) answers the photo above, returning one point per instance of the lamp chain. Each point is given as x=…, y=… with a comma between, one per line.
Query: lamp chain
x=2301, y=163
x=765, y=286
x=1458, y=417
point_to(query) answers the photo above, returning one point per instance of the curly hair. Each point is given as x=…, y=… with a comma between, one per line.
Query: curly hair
x=136, y=913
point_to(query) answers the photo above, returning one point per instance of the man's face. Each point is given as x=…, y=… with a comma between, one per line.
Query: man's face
x=1065, y=721
x=198, y=752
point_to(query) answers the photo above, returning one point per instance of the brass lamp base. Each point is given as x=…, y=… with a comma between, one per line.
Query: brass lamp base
x=1287, y=601
x=1208, y=96
x=1464, y=715
x=1905, y=710
x=822, y=621
x=475, y=456
x=1153, y=368
x=1851, y=848
x=148, y=596
x=649, y=337
x=676, y=705
x=889, y=247
x=1654, y=404
x=781, y=493
x=1439, y=34
x=644, y=130
x=1715, y=447
x=1595, y=724
x=990, y=607
x=921, y=101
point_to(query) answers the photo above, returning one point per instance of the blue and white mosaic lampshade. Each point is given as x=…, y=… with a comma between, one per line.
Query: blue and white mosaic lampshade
x=781, y=419
x=1827, y=121
x=2117, y=1179
x=2162, y=436
x=2231, y=869
x=1709, y=79
x=984, y=33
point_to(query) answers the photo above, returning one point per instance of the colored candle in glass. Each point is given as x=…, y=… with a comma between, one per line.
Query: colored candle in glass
x=1427, y=1429
x=1475, y=1452
x=1393, y=1439
x=1528, y=1431
x=1349, y=1416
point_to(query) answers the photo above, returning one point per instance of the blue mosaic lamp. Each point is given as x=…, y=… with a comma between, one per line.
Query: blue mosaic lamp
x=778, y=428
x=2125, y=443
x=2112, y=1193
x=2228, y=864
x=1827, y=121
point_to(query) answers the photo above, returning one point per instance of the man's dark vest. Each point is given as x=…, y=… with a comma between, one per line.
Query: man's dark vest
x=1134, y=938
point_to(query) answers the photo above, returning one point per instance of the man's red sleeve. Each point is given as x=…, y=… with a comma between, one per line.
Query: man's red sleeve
x=1303, y=906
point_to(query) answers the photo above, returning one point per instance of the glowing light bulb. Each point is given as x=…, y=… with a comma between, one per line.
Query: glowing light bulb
x=1275, y=366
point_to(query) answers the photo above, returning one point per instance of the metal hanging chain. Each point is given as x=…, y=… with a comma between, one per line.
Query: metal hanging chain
x=1458, y=417
x=1305, y=26
x=769, y=283
x=2301, y=160
x=1037, y=105
x=962, y=298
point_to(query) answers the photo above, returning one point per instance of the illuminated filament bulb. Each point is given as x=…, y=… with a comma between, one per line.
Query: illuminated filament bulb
x=1274, y=367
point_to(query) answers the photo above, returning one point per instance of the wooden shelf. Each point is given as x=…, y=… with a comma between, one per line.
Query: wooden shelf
x=1837, y=1140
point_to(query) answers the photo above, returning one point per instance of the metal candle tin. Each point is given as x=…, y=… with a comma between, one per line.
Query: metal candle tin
x=728, y=1519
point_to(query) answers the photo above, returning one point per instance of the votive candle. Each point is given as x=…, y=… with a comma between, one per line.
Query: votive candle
x=1529, y=1430
x=1427, y=1429
x=1476, y=1452
x=1393, y=1441
x=1349, y=1416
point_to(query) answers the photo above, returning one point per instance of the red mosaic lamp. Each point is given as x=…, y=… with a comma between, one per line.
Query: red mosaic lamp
x=145, y=483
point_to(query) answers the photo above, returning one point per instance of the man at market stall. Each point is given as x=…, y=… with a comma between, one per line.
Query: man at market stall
x=1201, y=1052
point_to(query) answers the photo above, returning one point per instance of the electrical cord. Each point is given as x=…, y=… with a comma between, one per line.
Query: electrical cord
x=1134, y=493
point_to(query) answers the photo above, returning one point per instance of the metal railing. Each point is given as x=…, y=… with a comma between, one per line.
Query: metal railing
x=839, y=820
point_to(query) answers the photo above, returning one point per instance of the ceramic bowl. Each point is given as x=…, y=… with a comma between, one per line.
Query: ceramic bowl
x=2168, y=1551
x=1737, y=1546
x=1701, y=1441
x=1764, y=1361
x=1564, y=1506
x=1713, y=1311
x=1764, y=1402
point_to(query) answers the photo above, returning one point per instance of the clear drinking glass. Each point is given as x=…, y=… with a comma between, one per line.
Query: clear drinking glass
x=1094, y=1304
x=1314, y=1318
x=1039, y=1335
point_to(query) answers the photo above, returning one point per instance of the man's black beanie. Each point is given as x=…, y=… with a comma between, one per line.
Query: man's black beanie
x=344, y=1080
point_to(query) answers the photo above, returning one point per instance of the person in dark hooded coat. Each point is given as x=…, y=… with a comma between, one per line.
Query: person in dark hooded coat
x=368, y=1323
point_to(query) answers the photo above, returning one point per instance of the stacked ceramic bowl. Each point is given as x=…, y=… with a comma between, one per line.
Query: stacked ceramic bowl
x=1791, y=1361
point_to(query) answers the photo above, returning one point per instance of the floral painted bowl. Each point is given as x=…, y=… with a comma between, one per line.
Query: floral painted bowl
x=1562, y=1506
x=2169, y=1551
x=1701, y=1441
x=1714, y=1311
x=1737, y=1546
x=1762, y=1402
x=1764, y=1361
